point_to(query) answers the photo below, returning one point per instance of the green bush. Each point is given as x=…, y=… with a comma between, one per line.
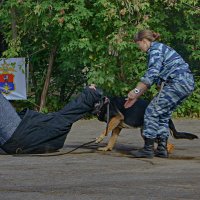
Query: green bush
x=93, y=41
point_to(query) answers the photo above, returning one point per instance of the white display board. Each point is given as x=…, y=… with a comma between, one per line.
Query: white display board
x=13, y=78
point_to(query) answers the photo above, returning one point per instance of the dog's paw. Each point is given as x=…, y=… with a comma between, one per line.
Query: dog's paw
x=170, y=148
x=104, y=149
x=99, y=139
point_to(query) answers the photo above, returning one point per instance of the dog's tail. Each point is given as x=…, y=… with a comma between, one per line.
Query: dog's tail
x=180, y=135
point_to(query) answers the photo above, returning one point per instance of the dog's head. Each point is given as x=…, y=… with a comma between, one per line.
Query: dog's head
x=100, y=108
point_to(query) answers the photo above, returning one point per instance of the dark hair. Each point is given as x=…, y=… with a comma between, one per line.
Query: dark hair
x=146, y=34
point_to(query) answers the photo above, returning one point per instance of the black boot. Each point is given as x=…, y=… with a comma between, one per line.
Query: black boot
x=147, y=151
x=161, y=150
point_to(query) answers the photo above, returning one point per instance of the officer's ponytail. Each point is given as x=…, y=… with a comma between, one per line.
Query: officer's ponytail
x=146, y=34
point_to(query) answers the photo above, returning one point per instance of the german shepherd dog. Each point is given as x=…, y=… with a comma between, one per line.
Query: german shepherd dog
x=133, y=117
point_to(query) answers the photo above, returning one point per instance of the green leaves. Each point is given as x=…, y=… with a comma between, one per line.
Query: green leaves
x=94, y=42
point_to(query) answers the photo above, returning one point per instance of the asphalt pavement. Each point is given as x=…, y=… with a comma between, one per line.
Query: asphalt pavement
x=88, y=174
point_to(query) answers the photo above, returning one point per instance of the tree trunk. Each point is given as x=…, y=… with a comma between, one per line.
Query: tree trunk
x=47, y=80
x=14, y=23
x=62, y=92
x=34, y=84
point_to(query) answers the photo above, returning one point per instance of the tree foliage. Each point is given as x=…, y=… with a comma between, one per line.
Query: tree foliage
x=94, y=43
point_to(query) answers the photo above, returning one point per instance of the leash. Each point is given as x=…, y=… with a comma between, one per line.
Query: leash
x=108, y=115
x=52, y=154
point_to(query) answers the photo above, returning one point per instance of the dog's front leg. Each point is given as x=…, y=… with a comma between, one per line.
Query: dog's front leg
x=112, y=141
x=114, y=122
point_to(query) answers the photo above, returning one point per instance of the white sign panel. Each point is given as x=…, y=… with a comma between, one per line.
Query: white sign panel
x=13, y=78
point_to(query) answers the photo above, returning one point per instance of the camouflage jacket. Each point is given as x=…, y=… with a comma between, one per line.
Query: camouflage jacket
x=163, y=63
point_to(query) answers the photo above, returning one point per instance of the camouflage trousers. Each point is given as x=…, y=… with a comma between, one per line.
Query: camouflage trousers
x=160, y=109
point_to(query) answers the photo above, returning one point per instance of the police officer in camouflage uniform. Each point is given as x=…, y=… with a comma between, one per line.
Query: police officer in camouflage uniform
x=171, y=73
